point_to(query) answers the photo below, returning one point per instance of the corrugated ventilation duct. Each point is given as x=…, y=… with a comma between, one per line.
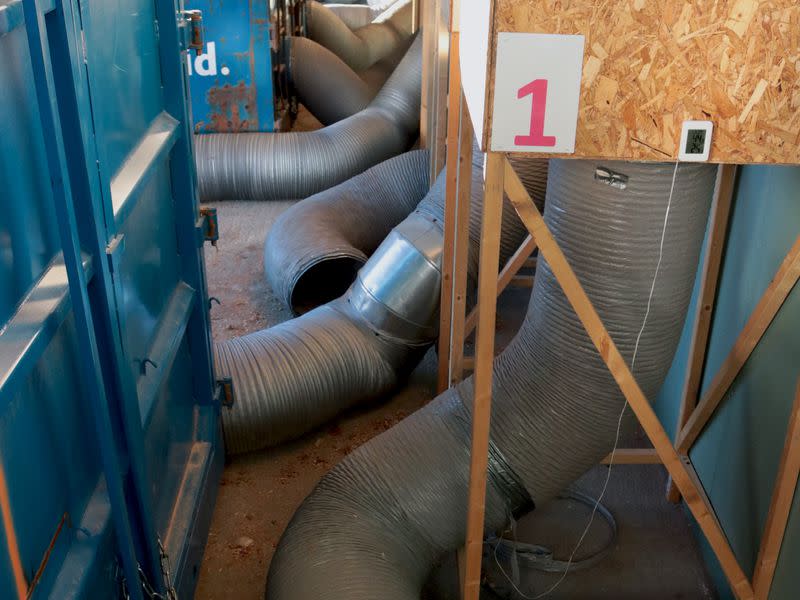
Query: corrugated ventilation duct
x=363, y=47
x=378, y=522
x=297, y=375
x=263, y=166
x=330, y=89
x=316, y=247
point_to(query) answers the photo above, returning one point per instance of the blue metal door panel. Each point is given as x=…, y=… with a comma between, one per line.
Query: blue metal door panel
x=25, y=197
x=148, y=269
x=108, y=420
x=52, y=469
x=124, y=74
x=232, y=79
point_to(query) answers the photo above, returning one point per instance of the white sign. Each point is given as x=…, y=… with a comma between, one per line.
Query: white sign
x=537, y=86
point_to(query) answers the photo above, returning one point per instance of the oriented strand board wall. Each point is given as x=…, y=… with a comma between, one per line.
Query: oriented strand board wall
x=651, y=64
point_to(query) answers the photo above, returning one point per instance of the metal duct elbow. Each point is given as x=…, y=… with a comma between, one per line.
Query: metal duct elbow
x=363, y=47
x=398, y=290
x=378, y=522
x=259, y=166
x=316, y=247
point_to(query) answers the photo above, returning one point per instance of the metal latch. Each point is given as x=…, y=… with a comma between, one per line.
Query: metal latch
x=114, y=250
x=191, y=25
x=208, y=226
x=225, y=395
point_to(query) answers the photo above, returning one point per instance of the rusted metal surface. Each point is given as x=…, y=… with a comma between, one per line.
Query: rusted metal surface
x=232, y=109
x=239, y=82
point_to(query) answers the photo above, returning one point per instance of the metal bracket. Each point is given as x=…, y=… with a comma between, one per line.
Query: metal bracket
x=114, y=249
x=225, y=394
x=191, y=26
x=208, y=226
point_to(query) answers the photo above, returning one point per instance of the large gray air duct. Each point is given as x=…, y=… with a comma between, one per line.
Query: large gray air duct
x=363, y=47
x=264, y=166
x=316, y=247
x=297, y=375
x=330, y=89
x=377, y=523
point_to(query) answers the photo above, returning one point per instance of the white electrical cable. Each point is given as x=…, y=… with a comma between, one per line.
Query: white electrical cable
x=621, y=414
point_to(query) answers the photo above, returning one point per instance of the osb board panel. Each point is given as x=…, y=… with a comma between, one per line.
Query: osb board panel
x=651, y=64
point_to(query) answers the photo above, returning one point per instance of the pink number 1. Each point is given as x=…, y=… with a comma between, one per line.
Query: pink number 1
x=537, y=89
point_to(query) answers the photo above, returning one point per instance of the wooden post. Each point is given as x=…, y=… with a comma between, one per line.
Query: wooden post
x=454, y=118
x=455, y=254
x=768, y=306
x=461, y=251
x=709, y=278
x=780, y=506
x=482, y=402
x=703, y=513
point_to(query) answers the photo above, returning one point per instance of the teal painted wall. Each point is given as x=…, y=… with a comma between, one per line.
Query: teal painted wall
x=737, y=455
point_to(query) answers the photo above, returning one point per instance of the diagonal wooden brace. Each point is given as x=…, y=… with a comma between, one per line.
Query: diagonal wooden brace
x=695, y=499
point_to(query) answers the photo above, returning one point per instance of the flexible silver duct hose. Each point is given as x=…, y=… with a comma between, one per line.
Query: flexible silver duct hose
x=365, y=46
x=352, y=14
x=264, y=166
x=325, y=85
x=295, y=376
x=316, y=247
x=377, y=523
x=330, y=89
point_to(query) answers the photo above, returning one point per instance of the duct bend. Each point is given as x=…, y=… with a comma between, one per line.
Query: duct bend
x=325, y=85
x=330, y=89
x=352, y=14
x=263, y=166
x=377, y=523
x=297, y=375
x=362, y=48
x=316, y=247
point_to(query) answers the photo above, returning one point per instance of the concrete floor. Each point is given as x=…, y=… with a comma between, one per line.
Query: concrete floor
x=655, y=556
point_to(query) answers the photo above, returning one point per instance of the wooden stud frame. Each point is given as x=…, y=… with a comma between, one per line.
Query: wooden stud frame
x=500, y=178
x=673, y=458
x=709, y=277
x=781, y=504
x=765, y=311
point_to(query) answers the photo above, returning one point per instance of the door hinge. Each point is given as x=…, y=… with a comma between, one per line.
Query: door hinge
x=207, y=226
x=225, y=395
x=190, y=23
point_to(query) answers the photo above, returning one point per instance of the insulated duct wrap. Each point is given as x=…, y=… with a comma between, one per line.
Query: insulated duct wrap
x=378, y=522
x=295, y=376
x=363, y=47
x=263, y=166
x=316, y=247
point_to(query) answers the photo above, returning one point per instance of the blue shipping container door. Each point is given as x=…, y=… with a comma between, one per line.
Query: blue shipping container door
x=109, y=435
x=231, y=79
